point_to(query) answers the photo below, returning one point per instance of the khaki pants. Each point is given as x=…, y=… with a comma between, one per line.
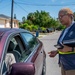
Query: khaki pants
x=68, y=72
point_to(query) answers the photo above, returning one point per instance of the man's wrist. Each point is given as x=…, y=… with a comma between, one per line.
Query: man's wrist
x=57, y=51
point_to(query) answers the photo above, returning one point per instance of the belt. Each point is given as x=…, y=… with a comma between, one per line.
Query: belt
x=65, y=52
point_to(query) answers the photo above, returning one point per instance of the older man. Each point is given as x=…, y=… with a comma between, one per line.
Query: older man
x=66, y=45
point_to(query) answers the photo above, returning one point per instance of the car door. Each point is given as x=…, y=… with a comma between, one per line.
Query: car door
x=34, y=48
x=13, y=53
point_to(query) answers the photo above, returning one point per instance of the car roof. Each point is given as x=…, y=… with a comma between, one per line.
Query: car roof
x=10, y=30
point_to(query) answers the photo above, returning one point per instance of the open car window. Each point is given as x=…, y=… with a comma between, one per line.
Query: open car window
x=14, y=52
x=31, y=40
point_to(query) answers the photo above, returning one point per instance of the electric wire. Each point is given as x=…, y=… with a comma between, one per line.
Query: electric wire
x=21, y=7
x=71, y=4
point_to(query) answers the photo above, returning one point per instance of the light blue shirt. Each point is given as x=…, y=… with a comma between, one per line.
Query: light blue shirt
x=65, y=32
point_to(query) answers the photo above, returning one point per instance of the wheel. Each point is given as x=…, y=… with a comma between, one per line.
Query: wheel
x=44, y=68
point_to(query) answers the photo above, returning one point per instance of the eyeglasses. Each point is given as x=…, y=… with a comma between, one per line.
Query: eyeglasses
x=61, y=16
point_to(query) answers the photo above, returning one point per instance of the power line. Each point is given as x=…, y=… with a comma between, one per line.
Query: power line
x=21, y=7
x=45, y=4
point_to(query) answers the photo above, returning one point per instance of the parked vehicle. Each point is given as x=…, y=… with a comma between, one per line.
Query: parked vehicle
x=21, y=53
x=50, y=30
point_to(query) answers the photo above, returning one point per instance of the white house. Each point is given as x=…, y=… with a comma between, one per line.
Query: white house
x=5, y=22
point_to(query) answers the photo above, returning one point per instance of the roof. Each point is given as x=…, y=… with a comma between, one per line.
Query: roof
x=4, y=16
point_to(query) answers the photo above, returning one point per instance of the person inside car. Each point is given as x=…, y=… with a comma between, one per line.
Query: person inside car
x=10, y=58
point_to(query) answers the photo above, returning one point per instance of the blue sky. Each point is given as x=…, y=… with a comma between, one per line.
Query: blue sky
x=23, y=7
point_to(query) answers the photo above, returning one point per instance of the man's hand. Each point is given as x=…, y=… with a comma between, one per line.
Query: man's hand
x=53, y=53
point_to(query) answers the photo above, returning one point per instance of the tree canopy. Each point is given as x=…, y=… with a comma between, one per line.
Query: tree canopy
x=40, y=19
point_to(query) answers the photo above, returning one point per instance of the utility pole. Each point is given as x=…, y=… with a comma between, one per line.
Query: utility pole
x=12, y=13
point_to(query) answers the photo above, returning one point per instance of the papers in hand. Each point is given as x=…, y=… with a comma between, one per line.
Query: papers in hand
x=70, y=43
x=58, y=46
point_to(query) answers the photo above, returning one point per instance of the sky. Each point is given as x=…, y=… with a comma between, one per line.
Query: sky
x=24, y=7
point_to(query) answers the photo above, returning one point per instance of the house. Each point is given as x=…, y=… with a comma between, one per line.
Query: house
x=5, y=22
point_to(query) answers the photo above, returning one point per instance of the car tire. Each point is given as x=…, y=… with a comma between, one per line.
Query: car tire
x=44, y=68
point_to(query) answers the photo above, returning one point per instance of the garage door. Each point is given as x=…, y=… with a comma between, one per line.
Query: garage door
x=1, y=26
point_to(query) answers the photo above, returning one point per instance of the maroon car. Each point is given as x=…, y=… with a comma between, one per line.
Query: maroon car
x=21, y=53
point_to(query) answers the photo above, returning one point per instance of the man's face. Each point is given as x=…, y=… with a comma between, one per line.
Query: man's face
x=64, y=18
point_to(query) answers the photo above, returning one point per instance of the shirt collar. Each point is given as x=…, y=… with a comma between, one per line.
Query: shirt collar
x=71, y=24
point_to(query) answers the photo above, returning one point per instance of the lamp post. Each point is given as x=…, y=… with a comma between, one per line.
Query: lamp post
x=12, y=13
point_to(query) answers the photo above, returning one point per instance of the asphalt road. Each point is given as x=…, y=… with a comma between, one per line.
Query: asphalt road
x=52, y=67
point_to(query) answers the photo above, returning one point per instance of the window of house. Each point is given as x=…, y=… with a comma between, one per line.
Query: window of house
x=14, y=24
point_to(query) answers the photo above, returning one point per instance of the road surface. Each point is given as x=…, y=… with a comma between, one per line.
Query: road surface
x=52, y=67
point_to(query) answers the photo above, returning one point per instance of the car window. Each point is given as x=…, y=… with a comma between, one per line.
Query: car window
x=4, y=70
x=30, y=40
x=14, y=52
x=31, y=43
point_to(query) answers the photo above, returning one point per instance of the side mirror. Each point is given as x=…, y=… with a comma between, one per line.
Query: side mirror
x=22, y=69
